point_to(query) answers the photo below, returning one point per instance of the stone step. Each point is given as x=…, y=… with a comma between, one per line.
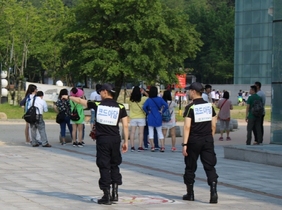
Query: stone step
x=269, y=154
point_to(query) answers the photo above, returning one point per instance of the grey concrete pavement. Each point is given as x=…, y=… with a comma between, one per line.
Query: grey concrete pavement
x=64, y=177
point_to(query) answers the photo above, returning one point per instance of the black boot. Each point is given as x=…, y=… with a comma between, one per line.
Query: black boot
x=190, y=193
x=214, y=196
x=114, y=192
x=106, y=199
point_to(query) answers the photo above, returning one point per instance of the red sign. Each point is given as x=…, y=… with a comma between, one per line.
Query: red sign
x=181, y=81
x=180, y=94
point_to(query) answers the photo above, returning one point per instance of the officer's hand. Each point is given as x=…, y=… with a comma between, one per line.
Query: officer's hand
x=184, y=151
x=124, y=147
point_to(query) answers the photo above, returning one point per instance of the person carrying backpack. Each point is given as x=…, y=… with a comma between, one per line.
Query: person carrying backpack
x=41, y=105
x=254, y=111
x=261, y=94
x=154, y=107
x=24, y=105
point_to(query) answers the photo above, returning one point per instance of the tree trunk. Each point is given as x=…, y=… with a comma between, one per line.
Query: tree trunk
x=21, y=74
x=118, y=84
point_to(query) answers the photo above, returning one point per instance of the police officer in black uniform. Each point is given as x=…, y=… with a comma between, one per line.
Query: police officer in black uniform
x=108, y=114
x=199, y=128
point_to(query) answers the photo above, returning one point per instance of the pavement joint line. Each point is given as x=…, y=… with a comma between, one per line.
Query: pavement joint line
x=178, y=174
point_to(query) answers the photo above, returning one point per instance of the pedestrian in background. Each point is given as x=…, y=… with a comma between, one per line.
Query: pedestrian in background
x=224, y=105
x=137, y=117
x=63, y=105
x=253, y=122
x=206, y=95
x=154, y=106
x=170, y=125
x=261, y=94
x=77, y=126
x=146, y=132
x=39, y=126
x=24, y=104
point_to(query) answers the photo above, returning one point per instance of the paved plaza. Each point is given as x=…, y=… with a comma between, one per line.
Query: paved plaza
x=64, y=177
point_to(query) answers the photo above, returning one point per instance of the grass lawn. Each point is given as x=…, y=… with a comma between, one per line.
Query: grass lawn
x=16, y=112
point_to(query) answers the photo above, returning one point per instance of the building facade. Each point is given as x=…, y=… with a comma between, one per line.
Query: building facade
x=276, y=79
x=258, y=52
x=253, y=41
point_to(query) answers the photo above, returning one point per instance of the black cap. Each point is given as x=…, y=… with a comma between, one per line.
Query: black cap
x=196, y=86
x=107, y=87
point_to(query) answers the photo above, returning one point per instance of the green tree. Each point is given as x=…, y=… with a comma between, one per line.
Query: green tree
x=214, y=19
x=113, y=40
x=19, y=22
x=70, y=3
x=28, y=40
x=45, y=57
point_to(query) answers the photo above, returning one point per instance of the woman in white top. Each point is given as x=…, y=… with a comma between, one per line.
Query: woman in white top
x=172, y=123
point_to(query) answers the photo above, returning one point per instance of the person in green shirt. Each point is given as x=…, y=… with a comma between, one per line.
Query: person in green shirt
x=253, y=121
x=77, y=125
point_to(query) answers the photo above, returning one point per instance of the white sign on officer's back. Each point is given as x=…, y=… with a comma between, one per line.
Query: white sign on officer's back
x=107, y=115
x=203, y=112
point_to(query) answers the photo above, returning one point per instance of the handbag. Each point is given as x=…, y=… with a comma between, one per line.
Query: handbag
x=61, y=117
x=92, y=133
x=228, y=119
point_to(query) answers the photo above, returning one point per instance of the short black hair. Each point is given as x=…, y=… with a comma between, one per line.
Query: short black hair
x=257, y=83
x=39, y=93
x=254, y=88
x=208, y=86
x=112, y=93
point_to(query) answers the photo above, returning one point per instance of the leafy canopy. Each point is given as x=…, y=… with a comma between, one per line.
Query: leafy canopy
x=115, y=40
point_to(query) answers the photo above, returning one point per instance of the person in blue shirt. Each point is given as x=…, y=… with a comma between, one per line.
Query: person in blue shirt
x=154, y=107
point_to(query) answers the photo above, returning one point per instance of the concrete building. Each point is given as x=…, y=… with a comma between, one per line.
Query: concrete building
x=258, y=52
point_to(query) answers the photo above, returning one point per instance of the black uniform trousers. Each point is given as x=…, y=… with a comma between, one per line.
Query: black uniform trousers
x=108, y=160
x=204, y=147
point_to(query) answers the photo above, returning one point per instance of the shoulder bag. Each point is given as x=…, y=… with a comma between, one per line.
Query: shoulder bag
x=228, y=119
x=141, y=108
